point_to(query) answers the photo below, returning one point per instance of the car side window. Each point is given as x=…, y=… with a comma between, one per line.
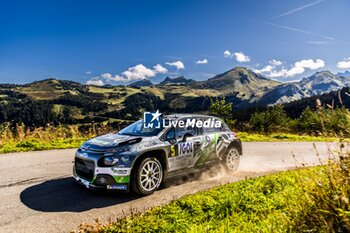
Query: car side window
x=181, y=131
x=224, y=127
x=213, y=129
x=170, y=134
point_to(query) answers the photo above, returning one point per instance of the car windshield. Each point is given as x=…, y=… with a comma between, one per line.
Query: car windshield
x=138, y=129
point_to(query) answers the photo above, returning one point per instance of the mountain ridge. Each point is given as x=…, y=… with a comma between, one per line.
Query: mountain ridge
x=240, y=83
x=181, y=80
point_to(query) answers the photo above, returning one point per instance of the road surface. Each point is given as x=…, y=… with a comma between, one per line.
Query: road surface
x=38, y=193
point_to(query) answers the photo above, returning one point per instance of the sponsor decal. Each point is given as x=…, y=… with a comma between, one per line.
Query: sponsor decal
x=186, y=148
x=172, y=151
x=120, y=171
x=149, y=144
x=117, y=186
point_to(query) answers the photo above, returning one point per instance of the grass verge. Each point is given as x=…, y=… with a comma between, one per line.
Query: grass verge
x=51, y=139
x=309, y=199
x=277, y=137
x=37, y=144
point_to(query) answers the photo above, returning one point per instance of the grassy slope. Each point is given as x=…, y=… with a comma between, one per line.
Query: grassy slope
x=273, y=203
x=33, y=144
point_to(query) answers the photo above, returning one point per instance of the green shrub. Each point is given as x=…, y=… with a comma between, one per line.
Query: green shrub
x=335, y=122
x=274, y=119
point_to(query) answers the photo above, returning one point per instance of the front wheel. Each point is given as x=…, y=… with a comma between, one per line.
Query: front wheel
x=148, y=176
x=232, y=159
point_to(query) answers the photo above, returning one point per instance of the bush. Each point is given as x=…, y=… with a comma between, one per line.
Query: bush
x=335, y=122
x=274, y=119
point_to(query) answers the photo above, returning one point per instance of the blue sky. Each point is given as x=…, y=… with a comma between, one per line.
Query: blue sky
x=123, y=41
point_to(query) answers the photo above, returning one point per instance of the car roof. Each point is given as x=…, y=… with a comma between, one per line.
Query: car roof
x=183, y=115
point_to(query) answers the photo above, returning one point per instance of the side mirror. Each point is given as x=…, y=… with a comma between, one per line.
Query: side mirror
x=186, y=136
x=172, y=141
x=170, y=136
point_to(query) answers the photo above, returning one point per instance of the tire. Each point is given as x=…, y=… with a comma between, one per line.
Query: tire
x=232, y=159
x=148, y=176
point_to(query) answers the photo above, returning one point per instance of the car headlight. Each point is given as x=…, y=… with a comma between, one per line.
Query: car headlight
x=110, y=161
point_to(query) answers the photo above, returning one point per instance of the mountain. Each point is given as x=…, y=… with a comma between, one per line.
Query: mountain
x=318, y=83
x=176, y=81
x=339, y=98
x=344, y=74
x=243, y=82
x=141, y=83
x=71, y=102
x=324, y=81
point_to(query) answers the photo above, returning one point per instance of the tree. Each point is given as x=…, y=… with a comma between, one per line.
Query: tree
x=219, y=107
x=274, y=119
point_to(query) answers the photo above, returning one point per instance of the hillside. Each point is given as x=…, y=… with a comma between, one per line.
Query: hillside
x=141, y=83
x=60, y=101
x=239, y=80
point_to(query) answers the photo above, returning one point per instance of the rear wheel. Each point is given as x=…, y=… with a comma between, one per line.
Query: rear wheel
x=232, y=159
x=148, y=176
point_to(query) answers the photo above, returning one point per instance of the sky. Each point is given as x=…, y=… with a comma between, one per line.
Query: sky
x=118, y=42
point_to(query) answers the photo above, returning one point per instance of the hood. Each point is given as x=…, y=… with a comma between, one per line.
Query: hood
x=109, y=141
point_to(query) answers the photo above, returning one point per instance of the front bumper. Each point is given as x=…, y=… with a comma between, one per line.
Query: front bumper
x=110, y=182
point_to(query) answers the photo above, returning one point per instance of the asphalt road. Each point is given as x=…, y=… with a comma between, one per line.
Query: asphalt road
x=38, y=194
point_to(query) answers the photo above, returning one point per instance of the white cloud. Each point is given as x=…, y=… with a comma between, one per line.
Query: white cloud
x=275, y=62
x=204, y=61
x=310, y=64
x=241, y=57
x=178, y=64
x=294, y=71
x=88, y=72
x=277, y=73
x=160, y=69
x=109, y=77
x=299, y=67
x=227, y=53
x=95, y=82
x=345, y=64
x=266, y=69
x=137, y=72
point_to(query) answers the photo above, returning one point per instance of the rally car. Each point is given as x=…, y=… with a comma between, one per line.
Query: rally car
x=138, y=158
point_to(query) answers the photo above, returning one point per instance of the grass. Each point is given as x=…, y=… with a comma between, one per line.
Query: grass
x=305, y=200
x=264, y=204
x=254, y=137
x=37, y=144
x=64, y=137
x=48, y=138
